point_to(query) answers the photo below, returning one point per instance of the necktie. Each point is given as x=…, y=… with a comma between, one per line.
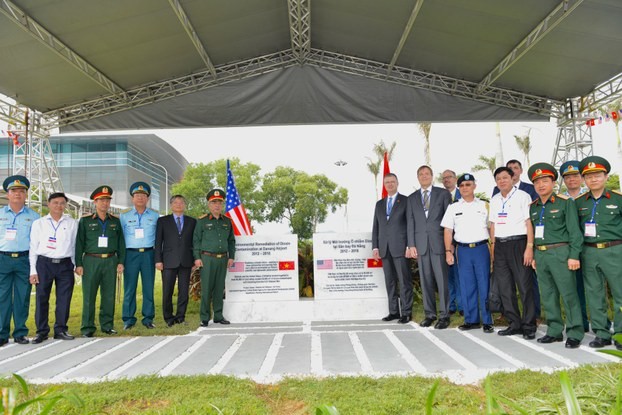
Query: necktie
x=389, y=206
x=426, y=199
x=178, y=224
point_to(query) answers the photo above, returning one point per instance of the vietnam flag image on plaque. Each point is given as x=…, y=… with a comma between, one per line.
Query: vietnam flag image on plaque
x=374, y=263
x=286, y=265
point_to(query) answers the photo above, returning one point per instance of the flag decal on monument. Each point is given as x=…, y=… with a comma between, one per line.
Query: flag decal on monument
x=324, y=264
x=286, y=265
x=234, y=208
x=237, y=267
x=374, y=263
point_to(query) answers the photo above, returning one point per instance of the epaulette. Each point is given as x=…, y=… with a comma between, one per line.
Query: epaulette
x=203, y=216
x=616, y=192
x=583, y=195
x=564, y=197
x=87, y=215
x=535, y=201
x=126, y=210
x=113, y=216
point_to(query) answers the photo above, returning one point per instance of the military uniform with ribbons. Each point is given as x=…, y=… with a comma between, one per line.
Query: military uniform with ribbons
x=557, y=239
x=601, y=224
x=100, y=247
x=213, y=244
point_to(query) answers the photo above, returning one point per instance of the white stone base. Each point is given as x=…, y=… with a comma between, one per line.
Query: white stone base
x=306, y=309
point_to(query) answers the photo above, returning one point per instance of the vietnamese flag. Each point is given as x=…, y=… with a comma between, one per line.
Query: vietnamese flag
x=374, y=263
x=286, y=265
x=385, y=170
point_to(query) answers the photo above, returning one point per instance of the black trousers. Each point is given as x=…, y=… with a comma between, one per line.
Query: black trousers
x=512, y=274
x=50, y=273
x=169, y=276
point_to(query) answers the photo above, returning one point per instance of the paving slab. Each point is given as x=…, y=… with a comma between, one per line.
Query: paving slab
x=250, y=356
x=338, y=354
x=161, y=357
x=205, y=356
x=382, y=355
x=433, y=358
x=294, y=357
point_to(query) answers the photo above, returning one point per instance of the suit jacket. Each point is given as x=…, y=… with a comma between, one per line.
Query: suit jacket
x=426, y=234
x=525, y=187
x=171, y=248
x=457, y=195
x=389, y=235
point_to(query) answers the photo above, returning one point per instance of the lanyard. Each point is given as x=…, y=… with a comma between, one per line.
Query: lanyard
x=507, y=200
x=15, y=217
x=596, y=202
x=55, y=227
x=140, y=216
x=542, y=213
x=103, y=225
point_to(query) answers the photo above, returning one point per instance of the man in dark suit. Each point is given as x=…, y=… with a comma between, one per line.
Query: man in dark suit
x=389, y=243
x=173, y=257
x=426, y=208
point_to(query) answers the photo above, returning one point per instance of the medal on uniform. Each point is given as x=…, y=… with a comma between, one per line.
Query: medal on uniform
x=139, y=233
x=539, y=231
x=102, y=242
x=51, y=242
x=590, y=229
x=11, y=234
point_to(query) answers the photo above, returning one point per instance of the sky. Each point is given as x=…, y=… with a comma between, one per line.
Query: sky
x=316, y=148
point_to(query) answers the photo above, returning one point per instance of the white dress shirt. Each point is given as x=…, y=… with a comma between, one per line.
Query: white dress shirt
x=42, y=235
x=469, y=220
x=509, y=214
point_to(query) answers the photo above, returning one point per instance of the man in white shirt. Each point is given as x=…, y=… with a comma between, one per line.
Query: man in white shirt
x=511, y=233
x=52, y=250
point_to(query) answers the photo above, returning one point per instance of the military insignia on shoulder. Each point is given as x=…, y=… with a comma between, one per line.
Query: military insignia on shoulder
x=203, y=216
x=87, y=215
x=617, y=192
x=564, y=197
x=535, y=202
x=113, y=216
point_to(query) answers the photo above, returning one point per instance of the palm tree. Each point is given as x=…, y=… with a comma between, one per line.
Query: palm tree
x=499, y=155
x=374, y=169
x=425, y=128
x=607, y=110
x=524, y=145
x=374, y=166
x=486, y=163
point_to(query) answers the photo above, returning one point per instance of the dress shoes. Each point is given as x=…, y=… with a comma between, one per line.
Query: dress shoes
x=171, y=323
x=529, y=335
x=149, y=325
x=3, y=342
x=469, y=326
x=488, y=328
x=24, y=340
x=572, y=343
x=128, y=326
x=39, y=339
x=549, y=339
x=223, y=321
x=87, y=335
x=179, y=320
x=427, y=322
x=442, y=324
x=391, y=317
x=598, y=342
x=63, y=335
x=509, y=332
x=204, y=323
x=404, y=319
x=109, y=331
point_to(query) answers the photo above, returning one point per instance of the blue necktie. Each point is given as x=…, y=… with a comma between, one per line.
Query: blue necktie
x=389, y=205
x=179, y=224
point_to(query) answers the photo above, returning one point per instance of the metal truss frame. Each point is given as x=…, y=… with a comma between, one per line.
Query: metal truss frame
x=405, y=34
x=559, y=13
x=185, y=22
x=24, y=21
x=574, y=142
x=299, y=12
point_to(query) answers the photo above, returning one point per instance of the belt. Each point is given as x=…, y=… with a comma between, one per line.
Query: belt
x=53, y=260
x=102, y=255
x=15, y=254
x=473, y=244
x=601, y=245
x=511, y=238
x=215, y=254
x=550, y=246
x=140, y=249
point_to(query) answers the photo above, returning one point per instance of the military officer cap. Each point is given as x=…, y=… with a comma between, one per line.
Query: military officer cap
x=539, y=170
x=102, y=192
x=216, y=194
x=15, y=182
x=140, y=187
x=569, y=167
x=466, y=177
x=594, y=164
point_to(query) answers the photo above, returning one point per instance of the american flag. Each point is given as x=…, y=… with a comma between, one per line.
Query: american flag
x=324, y=264
x=237, y=267
x=234, y=208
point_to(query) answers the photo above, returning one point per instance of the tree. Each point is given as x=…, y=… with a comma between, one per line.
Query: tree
x=486, y=163
x=425, y=128
x=613, y=182
x=374, y=166
x=300, y=199
x=374, y=169
x=524, y=145
x=200, y=178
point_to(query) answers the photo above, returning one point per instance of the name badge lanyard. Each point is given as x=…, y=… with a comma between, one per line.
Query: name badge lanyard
x=507, y=200
x=11, y=233
x=103, y=224
x=53, y=238
x=15, y=217
x=539, y=233
x=596, y=202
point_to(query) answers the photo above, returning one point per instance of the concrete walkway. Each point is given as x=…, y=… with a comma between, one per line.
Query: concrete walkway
x=267, y=352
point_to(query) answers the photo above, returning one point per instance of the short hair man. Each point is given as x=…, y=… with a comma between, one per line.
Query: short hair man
x=389, y=243
x=214, y=250
x=52, y=251
x=16, y=220
x=517, y=167
x=174, y=258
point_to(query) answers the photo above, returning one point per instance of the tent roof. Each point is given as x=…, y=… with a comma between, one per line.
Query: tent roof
x=141, y=42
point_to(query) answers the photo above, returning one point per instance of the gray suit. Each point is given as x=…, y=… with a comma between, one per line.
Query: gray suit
x=389, y=237
x=426, y=234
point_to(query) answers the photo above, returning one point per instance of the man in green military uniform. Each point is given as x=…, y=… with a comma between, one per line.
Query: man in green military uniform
x=100, y=253
x=558, y=244
x=214, y=249
x=600, y=217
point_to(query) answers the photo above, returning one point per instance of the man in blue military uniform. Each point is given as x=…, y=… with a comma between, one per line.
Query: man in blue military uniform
x=139, y=229
x=15, y=222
